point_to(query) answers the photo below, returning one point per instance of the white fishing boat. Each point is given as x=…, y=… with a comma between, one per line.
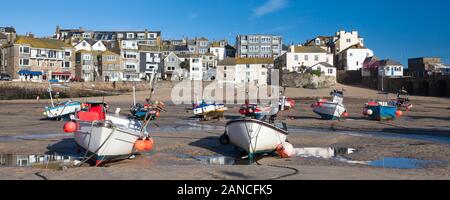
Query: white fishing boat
x=64, y=109
x=107, y=137
x=255, y=136
x=331, y=110
x=60, y=110
x=110, y=138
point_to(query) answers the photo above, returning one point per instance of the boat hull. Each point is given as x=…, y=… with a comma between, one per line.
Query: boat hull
x=383, y=112
x=255, y=136
x=61, y=111
x=114, y=137
x=330, y=111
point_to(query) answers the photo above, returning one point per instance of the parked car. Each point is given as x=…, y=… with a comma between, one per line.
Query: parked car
x=5, y=77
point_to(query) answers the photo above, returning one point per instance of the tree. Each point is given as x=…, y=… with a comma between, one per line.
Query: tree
x=185, y=65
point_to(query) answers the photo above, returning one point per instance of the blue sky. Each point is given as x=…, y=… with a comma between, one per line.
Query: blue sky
x=397, y=29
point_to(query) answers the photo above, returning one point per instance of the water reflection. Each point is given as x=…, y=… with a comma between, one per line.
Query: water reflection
x=20, y=160
x=338, y=154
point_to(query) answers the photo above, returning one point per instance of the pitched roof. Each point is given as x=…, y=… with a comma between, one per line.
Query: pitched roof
x=227, y=61
x=42, y=43
x=391, y=62
x=254, y=60
x=109, y=53
x=309, y=49
x=325, y=64
x=355, y=46
x=148, y=48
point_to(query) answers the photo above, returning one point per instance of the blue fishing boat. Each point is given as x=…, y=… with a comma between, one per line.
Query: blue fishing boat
x=381, y=111
x=206, y=111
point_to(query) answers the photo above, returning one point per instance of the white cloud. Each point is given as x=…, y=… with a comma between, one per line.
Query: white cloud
x=269, y=7
x=193, y=16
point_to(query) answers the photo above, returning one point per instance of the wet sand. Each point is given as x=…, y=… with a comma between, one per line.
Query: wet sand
x=423, y=133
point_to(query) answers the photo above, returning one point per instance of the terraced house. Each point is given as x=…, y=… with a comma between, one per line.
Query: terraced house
x=258, y=46
x=37, y=59
x=150, y=61
x=253, y=71
x=110, y=66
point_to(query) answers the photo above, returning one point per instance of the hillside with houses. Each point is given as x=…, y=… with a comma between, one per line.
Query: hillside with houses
x=79, y=55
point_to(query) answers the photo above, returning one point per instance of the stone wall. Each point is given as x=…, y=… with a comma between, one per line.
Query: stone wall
x=348, y=77
x=307, y=80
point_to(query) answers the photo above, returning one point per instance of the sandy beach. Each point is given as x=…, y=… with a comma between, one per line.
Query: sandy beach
x=181, y=141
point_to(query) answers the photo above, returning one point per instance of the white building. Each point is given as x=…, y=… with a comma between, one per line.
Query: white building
x=131, y=59
x=325, y=68
x=244, y=70
x=390, y=68
x=303, y=56
x=344, y=40
x=352, y=58
x=195, y=67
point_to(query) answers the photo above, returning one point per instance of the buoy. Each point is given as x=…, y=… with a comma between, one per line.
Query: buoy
x=409, y=107
x=320, y=104
x=149, y=144
x=70, y=127
x=369, y=112
x=139, y=145
x=365, y=111
x=345, y=114
x=399, y=113
x=285, y=150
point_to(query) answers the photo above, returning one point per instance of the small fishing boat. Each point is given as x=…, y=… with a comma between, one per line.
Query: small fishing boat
x=107, y=137
x=66, y=109
x=331, y=110
x=255, y=136
x=208, y=111
x=259, y=111
x=402, y=101
x=151, y=110
x=381, y=110
x=286, y=104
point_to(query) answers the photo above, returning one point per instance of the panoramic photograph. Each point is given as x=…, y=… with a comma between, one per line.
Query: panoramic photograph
x=225, y=90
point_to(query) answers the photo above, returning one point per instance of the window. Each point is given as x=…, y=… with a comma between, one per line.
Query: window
x=24, y=49
x=296, y=57
x=24, y=62
x=316, y=57
x=225, y=75
x=330, y=71
x=349, y=40
x=351, y=54
x=130, y=35
x=248, y=66
x=306, y=57
x=66, y=64
x=51, y=54
x=225, y=68
x=68, y=54
x=357, y=63
x=83, y=44
x=130, y=66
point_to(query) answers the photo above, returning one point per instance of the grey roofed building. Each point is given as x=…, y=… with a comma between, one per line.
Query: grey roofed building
x=391, y=62
x=7, y=29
